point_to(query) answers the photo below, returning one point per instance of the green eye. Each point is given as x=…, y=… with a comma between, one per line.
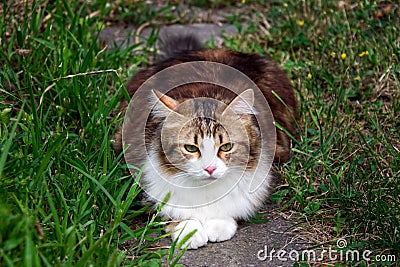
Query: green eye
x=191, y=148
x=226, y=147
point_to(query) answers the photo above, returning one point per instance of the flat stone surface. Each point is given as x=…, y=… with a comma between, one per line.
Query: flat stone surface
x=124, y=36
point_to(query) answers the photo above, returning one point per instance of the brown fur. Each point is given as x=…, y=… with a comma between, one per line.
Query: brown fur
x=266, y=75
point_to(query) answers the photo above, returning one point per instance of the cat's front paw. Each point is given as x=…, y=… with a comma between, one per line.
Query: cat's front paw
x=199, y=238
x=220, y=229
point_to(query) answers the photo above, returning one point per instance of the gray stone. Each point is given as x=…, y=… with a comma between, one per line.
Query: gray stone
x=117, y=36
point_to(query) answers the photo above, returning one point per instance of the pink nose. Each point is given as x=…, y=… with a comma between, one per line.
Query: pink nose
x=210, y=169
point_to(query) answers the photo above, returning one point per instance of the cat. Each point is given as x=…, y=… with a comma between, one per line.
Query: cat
x=203, y=143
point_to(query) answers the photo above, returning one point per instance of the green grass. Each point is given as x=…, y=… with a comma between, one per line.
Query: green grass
x=344, y=62
x=65, y=197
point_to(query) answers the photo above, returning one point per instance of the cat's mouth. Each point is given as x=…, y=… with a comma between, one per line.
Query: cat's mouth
x=210, y=178
x=207, y=177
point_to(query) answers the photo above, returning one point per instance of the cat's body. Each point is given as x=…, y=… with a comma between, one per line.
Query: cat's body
x=204, y=146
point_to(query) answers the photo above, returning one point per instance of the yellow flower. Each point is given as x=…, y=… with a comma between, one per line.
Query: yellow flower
x=324, y=12
x=364, y=53
x=309, y=76
x=357, y=78
x=294, y=15
x=333, y=54
x=343, y=56
x=300, y=22
x=243, y=1
x=361, y=4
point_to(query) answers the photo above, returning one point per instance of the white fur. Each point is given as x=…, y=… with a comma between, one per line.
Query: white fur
x=184, y=228
x=213, y=204
x=220, y=229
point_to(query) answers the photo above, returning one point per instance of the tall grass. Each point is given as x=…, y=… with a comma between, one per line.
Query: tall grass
x=65, y=197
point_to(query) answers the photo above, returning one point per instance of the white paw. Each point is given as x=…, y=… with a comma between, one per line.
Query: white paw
x=199, y=238
x=220, y=229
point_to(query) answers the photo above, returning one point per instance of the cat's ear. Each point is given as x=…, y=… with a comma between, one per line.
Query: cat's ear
x=243, y=104
x=164, y=104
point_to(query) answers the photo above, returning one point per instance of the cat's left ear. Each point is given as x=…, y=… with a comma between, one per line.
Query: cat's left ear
x=243, y=104
x=164, y=104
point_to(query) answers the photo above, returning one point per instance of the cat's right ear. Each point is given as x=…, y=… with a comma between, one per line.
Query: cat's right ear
x=243, y=104
x=164, y=104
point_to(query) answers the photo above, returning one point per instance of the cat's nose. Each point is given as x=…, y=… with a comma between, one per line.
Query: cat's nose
x=210, y=169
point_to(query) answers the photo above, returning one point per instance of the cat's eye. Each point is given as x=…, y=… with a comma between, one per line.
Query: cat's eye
x=226, y=147
x=191, y=148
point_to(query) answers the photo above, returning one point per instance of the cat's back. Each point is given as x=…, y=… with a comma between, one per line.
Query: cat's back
x=268, y=77
x=264, y=73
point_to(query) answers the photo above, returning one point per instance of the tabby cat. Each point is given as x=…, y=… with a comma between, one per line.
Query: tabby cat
x=203, y=143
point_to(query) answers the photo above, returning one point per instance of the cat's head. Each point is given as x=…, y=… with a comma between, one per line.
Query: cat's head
x=203, y=139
